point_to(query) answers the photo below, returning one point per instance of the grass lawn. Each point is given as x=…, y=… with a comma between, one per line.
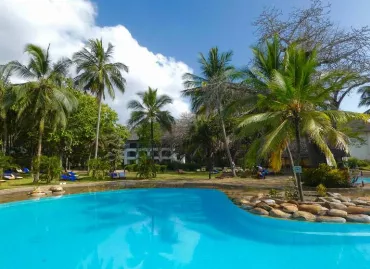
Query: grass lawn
x=83, y=177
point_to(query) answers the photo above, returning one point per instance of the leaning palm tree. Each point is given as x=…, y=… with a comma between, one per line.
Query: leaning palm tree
x=97, y=74
x=149, y=111
x=45, y=96
x=211, y=92
x=293, y=109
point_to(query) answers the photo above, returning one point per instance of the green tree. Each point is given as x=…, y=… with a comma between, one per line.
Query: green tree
x=203, y=138
x=149, y=110
x=45, y=96
x=97, y=74
x=365, y=98
x=144, y=133
x=212, y=91
x=5, y=73
x=293, y=109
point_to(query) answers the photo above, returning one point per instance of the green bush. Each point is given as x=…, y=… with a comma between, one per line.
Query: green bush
x=98, y=168
x=131, y=167
x=174, y=166
x=273, y=193
x=146, y=168
x=324, y=174
x=321, y=190
x=6, y=162
x=355, y=163
x=50, y=168
x=163, y=168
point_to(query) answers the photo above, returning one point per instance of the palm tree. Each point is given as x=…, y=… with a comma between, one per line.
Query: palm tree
x=365, y=97
x=45, y=96
x=149, y=111
x=5, y=73
x=97, y=74
x=293, y=109
x=212, y=91
x=202, y=138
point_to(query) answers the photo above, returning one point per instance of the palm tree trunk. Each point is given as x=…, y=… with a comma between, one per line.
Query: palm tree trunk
x=227, y=147
x=152, y=138
x=39, y=150
x=5, y=139
x=98, y=127
x=298, y=157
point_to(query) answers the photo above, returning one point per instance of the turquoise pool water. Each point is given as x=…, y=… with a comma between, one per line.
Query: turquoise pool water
x=168, y=228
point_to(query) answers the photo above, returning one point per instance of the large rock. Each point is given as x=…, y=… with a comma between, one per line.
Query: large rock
x=330, y=219
x=288, y=208
x=56, y=189
x=247, y=205
x=360, y=202
x=358, y=210
x=269, y=201
x=349, y=204
x=333, y=194
x=303, y=215
x=344, y=199
x=333, y=200
x=360, y=218
x=279, y=214
x=337, y=213
x=314, y=208
x=323, y=211
x=37, y=192
x=321, y=199
x=259, y=211
x=264, y=206
x=257, y=197
x=332, y=205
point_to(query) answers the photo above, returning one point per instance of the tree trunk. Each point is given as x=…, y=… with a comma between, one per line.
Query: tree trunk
x=98, y=127
x=227, y=146
x=152, y=138
x=298, y=157
x=39, y=149
x=5, y=141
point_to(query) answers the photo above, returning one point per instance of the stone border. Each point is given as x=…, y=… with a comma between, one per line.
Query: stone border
x=335, y=208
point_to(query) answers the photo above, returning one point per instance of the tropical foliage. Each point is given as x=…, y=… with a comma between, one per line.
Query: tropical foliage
x=98, y=75
x=211, y=92
x=149, y=111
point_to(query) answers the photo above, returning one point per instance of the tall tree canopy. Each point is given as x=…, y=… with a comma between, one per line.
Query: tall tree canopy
x=45, y=96
x=97, y=74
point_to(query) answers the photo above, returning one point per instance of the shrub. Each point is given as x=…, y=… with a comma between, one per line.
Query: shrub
x=321, y=190
x=163, y=168
x=174, y=166
x=273, y=193
x=355, y=163
x=5, y=163
x=98, y=168
x=131, y=167
x=146, y=168
x=324, y=174
x=50, y=168
x=291, y=190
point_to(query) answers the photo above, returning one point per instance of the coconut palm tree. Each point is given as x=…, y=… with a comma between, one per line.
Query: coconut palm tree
x=5, y=73
x=212, y=91
x=202, y=138
x=45, y=96
x=149, y=111
x=98, y=74
x=365, y=98
x=293, y=109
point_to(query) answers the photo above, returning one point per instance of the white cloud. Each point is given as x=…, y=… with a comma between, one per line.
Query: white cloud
x=67, y=24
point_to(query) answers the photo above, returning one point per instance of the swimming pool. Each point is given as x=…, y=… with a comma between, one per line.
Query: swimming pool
x=168, y=228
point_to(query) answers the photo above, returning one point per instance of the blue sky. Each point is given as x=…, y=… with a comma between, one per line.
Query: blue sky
x=181, y=29
x=159, y=40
